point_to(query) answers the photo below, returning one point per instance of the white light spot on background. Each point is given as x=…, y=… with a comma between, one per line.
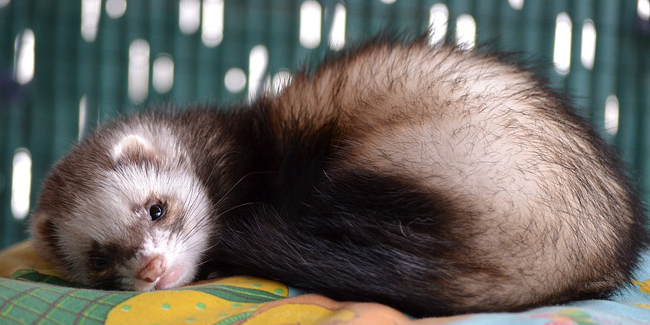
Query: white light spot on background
x=611, y=114
x=83, y=111
x=4, y=3
x=562, y=46
x=516, y=4
x=588, y=46
x=163, y=73
x=24, y=57
x=235, y=80
x=310, y=24
x=258, y=61
x=212, y=30
x=388, y=1
x=438, y=19
x=90, y=12
x=21, y=181
x=465, y=32
x=115, y=8
x=189, y=16
x=280, y=80
x=337, y=34
x=138, y=70
x=643, y=9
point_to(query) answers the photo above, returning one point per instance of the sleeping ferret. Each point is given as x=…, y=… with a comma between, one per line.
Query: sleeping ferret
x=428, y=178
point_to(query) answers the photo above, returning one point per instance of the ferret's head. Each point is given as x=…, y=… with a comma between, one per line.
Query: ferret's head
x=125, y=210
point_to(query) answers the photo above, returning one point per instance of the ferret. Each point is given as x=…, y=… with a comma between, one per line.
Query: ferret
x=433, y=179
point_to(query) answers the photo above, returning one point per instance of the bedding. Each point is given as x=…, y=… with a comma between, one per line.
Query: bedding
x=32, y=292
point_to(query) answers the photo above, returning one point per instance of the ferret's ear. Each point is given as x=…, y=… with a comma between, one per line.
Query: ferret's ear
x=134, y=149
x=45, y=235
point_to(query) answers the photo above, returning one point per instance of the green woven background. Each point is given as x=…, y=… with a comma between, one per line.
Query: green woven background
x=43, y=115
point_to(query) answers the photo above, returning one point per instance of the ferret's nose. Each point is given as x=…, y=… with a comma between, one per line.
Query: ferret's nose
x=152, y=269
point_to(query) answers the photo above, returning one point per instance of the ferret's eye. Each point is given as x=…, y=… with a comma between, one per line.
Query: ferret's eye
x=156, y=211
x=99, y=262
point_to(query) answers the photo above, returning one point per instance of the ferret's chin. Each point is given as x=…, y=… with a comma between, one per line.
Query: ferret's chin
x=176, y=276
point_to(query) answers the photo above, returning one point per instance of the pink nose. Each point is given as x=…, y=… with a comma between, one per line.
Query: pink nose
x=153, y=269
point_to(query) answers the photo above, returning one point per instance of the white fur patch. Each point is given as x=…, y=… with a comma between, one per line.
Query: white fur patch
x=129, y=142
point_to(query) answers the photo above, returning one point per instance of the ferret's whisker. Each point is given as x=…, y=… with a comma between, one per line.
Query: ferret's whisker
x=235, y=185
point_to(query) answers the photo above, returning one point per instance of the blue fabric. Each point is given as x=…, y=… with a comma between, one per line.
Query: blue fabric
x=629, y=305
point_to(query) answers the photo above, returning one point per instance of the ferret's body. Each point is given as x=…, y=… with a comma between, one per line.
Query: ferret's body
x=433, y=180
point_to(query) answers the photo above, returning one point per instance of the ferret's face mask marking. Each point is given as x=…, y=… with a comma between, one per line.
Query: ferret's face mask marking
x=137, y=224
